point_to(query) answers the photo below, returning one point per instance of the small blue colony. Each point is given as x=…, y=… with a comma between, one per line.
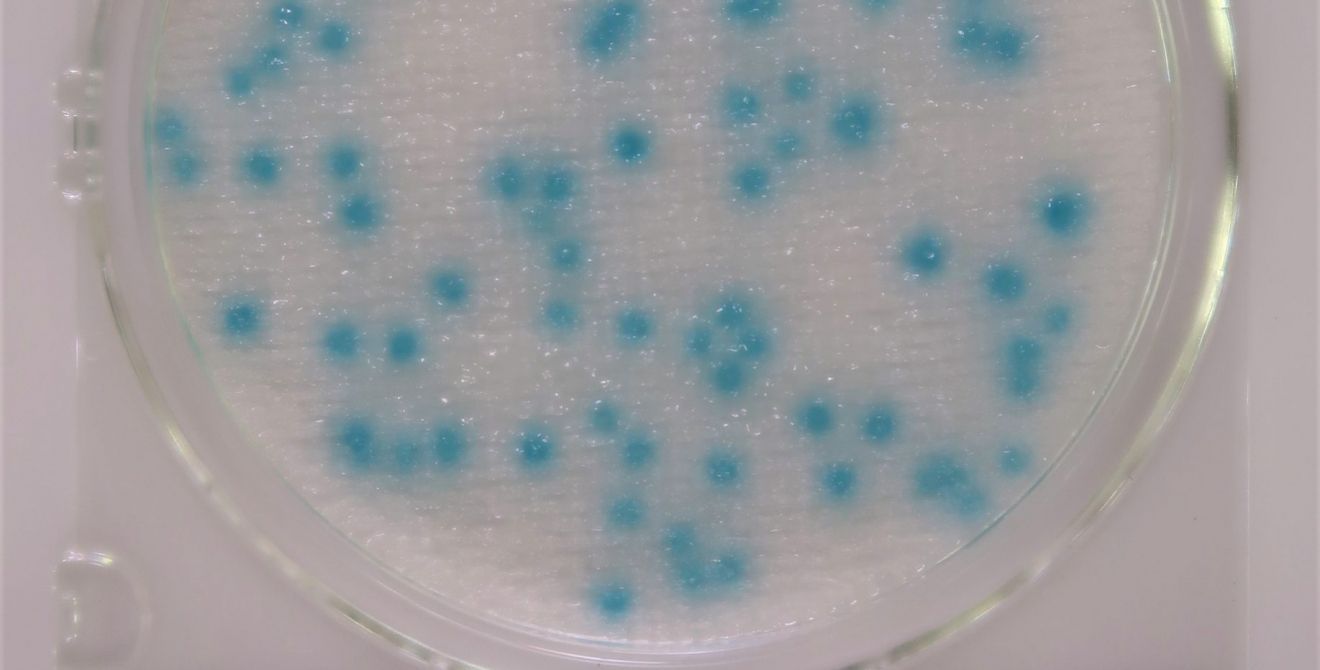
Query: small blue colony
x=799, y=85
x=450, y=288
x=344, y=161
x=857, y=122
x=1057, y=319
x=185, y=166
x=355, y=443
x=612, y=29
x=613, y=600
x=407, y=456
x=880, y=425
x=273, y=59
x=168, y=128
x=1005, y=282
x=535, y=448
x=634, y=325
x=630, y=143
x=925, y=253
x=639, y=451
x=1065, y=209
x=359, y=213
x=752, y=181
x=335, y=39
x=1023, y=367
x=242, y=319
x=788, y=145
x=449, y=445
x=838, y=481
x=944, y=479
x=741, y=104
x=567, y=255
x=560, y=315
x=261, y=166
x=992, y=43
x=754, y=13
x=1014, y=460
x=724, y=468
x=342, y=341
x=626, y=513
x=403, y=345
x=604, y=417
x=815, y=417
x=240, y=82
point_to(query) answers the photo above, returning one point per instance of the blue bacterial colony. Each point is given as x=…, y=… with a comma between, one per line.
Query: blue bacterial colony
x=462, y=319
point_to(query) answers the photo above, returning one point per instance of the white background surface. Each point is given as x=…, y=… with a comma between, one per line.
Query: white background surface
x=1208, y=564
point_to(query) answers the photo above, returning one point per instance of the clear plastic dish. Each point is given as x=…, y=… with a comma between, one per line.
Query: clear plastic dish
x=338, y=575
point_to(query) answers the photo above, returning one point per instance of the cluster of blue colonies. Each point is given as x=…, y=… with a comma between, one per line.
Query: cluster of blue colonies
x=356, y=208
x=778, y=125
x=288, y=28
x=697, y=569
x=635, y=446
x=401, y=345
x=363, y=448
x=729, y=342
x=173, y=139
x=989, y=38
x=821, y=419
x=543, y=194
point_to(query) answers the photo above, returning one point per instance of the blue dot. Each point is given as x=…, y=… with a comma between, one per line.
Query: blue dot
x=723, y=468
x=288, y=14
x=690, y=573
x=449, y=445
x=1058, y=319
x=604, y=417
x=262, y=167
x=356, y=442
x=1005, y=282
x=559, y=185
x=342, y=341
x=404, y=345
x=169, y=128
x=728, y=569
x=754, y=13
x=742, y=106
x=344, y=162
x=335, y=39
x=1065, y=210
x=242, y=318
x=359, y=213
x=700, y=340
x=638, y=451
x=752, y=345
x=450, y=288
x=815, y=417
x=728, y=377
x=239, y=82
x=634, y=325
x=614, y=601
x=407, y=456
x=856, y=123
x=508, y=179
x=1023, y=362
x=880, y=425
x=631, y=144
x=799, y=85
x=567, y=255
x=839, y=480
x=991, y=43
x=611, y=30
x=627, y=513
x=787, y=145
x=1014, y=460
x=273, y=59
x=185, y=167
x=536, y=448
x=752, y=181
x=924, y=253
x=560, y=314
x=944, y=479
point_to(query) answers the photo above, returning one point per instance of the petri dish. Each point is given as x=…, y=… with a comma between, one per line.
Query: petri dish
x=697, y=333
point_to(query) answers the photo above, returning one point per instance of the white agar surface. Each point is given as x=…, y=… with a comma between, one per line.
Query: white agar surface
x=436, y=92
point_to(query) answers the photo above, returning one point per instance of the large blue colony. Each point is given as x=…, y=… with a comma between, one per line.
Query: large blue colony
x=729, y=342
